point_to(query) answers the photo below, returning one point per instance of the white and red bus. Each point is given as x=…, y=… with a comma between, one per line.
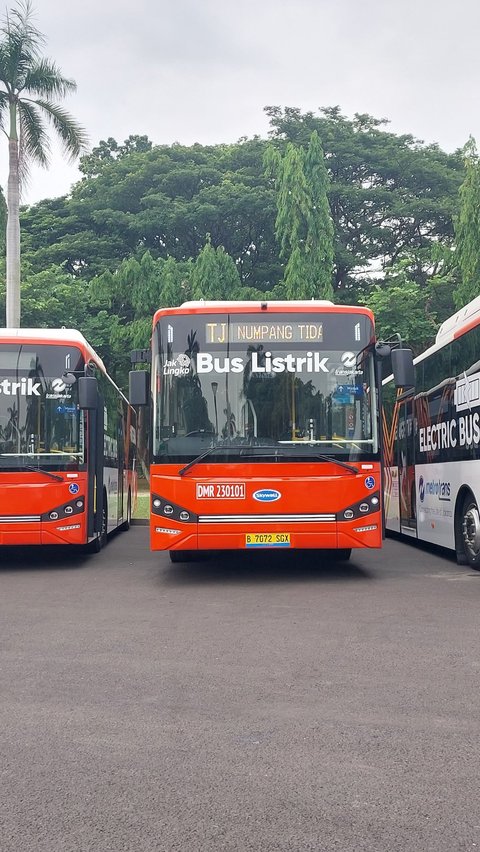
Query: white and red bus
x=67, y=442
x=264, y=427
x=432, y=442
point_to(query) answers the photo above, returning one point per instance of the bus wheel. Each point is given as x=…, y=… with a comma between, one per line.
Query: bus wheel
x=103, y=532
x=100, y=541
x=94, y=546
x=126, y=524
x=343, y=554
x=471, y=531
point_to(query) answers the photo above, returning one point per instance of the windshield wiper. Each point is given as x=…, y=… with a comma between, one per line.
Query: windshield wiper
x=279, y=452
x=41, y=470
x=199, y=458
x=275, y=452
x=30, y=466
x=350, y=467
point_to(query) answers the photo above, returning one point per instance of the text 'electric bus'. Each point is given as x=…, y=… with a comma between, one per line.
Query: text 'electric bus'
x=67, y=442
x=265, y=427
x=432, y=442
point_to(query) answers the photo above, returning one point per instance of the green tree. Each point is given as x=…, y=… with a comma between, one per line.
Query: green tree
x=122, y=305
x=50, y=298
x=320, y=231
x=164, y=200
x=303, y=226
x=30, y=82
x=175, y=287
x=291, y=221
x=107, y=152
x=388, y=194
x=214, y=274
x=143, y=213
x=467, y=229
x=402, y=307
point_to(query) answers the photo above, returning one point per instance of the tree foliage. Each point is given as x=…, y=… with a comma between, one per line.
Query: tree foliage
x=388, y=194
x=303, y=225
x=402, y=307
x=32, y=85
x=319, y=243
x=467, y=229
x=363, y=215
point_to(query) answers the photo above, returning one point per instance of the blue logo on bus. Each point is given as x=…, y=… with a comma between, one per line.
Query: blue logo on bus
x=267, y=495
x=74, y=488
x=421, y=489
x=370, y=482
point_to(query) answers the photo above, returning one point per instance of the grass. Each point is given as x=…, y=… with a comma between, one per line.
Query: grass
x=142, y=509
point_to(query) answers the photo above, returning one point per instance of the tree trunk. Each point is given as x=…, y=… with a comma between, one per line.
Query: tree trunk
x=13, y=237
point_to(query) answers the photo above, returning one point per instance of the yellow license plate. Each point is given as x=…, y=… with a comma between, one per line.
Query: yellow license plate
x=267, y=539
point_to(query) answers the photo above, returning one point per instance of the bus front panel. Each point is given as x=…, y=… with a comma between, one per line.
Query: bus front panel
x=264, y=431
x=43, y=476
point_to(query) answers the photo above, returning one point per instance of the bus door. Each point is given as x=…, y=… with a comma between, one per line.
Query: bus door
x=121, y=502
x=406, y=467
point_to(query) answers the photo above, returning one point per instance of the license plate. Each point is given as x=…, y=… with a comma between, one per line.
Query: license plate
x=267, y=539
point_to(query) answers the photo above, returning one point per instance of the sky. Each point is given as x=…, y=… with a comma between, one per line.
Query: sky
x=203, y=70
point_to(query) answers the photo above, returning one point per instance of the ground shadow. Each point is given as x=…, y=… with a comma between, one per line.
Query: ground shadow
x=244, y=567
x=43, y=557
x=425, y=547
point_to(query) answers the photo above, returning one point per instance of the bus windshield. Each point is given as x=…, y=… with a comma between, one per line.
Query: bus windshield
x=287, y=386
x=40, y=421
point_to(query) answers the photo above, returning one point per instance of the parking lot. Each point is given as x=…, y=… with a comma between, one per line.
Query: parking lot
x=265, y=701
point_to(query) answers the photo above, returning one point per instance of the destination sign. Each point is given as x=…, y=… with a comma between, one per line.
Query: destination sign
x=263, y=332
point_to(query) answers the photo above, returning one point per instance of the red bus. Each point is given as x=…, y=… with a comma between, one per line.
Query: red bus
x=67, y=442
x=264, y=427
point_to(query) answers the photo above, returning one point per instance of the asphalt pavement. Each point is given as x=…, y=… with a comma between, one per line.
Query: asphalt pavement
x=265, y=701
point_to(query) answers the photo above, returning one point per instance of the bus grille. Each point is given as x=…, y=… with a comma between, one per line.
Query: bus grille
x=266, y=519
x=19, y=519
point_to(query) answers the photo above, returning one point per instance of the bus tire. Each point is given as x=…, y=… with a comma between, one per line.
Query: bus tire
x=94, y=546
x=104, y=531
x=343, y=554
x=100, y=541
x=128, y=520
x=469, y=533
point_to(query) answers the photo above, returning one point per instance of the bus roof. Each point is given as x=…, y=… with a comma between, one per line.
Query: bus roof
x=459, y=323
x=456, y=325
x=261, y=307
x=55, y=336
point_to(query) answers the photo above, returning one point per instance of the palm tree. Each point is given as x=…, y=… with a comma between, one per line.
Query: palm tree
x=30, y=81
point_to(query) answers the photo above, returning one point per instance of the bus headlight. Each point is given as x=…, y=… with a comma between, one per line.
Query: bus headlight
x=160, y=505
x=75, y=508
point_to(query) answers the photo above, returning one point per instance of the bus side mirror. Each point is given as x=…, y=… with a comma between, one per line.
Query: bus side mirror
x=87, y=392
x=403, y=369
x=138, y=387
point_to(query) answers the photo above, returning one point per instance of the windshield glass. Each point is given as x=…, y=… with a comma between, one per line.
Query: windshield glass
x=280, y=385
x=40, y=422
